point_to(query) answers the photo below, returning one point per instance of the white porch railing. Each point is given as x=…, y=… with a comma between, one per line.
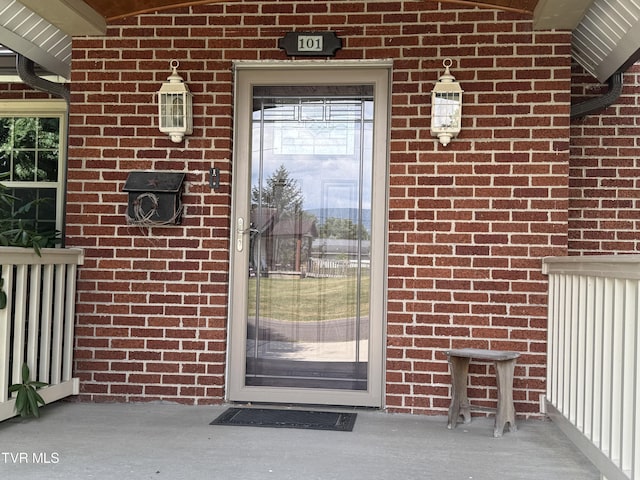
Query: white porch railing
x=593, y=359
x=335, y=268
x=37, y=324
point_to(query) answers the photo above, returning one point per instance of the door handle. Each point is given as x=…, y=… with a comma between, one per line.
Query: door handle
x=240, y=234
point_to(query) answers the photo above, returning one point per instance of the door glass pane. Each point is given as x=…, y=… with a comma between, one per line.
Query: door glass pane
x=310, y=228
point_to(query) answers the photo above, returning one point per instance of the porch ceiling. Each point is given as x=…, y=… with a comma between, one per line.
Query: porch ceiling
x=114, y=9
x=606, y=32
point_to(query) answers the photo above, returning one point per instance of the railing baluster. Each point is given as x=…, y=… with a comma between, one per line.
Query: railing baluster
x=19, y=323
x=560, y=363
x=574, y=337
x=629, y=373
x=58, y=326
x=635, y=412
x=598, y=364
x=617, y=365
x=589, y=368
x=552, y=333
x=33, y=328
x=580, y=343
x=45, y=324
x=607, y=365
x=566, y=348
x=70, y=308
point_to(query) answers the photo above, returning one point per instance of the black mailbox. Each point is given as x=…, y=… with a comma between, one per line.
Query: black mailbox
x=154, y=198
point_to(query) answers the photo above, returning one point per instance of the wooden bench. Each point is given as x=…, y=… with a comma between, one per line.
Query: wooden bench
x=504, y=365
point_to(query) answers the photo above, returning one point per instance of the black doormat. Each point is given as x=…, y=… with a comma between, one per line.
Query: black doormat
x=267, y=417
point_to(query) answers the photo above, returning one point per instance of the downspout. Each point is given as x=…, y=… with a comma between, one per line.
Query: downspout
x=594, y=105
x=26, y=72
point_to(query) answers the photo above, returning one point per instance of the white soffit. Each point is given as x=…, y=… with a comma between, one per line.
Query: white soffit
x=41, y=30
x=559, y=15
x=608, y=37
x=27, y=33
x=74, y=17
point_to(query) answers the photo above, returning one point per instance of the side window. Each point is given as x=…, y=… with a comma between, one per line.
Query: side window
x=32, y=161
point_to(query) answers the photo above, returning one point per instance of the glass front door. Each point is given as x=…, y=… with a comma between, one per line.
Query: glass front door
x=308, y=321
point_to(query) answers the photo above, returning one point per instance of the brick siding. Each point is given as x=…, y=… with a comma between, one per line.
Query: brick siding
x=20, y=91
x=604, y=194
x=468, y=224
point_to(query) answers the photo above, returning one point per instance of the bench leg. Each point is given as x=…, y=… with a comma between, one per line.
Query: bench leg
x=506, y=411
x=459, y=401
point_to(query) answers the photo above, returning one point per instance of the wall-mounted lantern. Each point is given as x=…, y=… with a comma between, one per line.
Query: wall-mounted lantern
x=446, y=106
x=174, y=106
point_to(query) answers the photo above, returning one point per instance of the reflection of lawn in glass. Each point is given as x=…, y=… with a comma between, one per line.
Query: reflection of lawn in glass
x=308, y=299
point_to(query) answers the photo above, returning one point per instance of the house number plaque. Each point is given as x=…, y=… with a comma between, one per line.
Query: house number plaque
x=310, y=44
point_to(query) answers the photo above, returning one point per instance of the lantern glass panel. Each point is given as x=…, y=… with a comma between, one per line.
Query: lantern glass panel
x=446, y=110
x=172, y=111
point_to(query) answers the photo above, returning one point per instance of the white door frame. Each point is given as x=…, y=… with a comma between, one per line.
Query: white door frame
x=248, y=74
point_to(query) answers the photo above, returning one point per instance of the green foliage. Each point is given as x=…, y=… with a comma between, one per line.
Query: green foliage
x=280, y=192
x=29, y=147
x=18, y=229
x=21, y=234
x=310, y=299
x=343, y=228
x=28, y=400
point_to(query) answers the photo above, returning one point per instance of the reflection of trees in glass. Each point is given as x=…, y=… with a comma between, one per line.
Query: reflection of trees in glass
x=280, y=192
x=5, y=144
x=29, y=148
x=343, y=228
x=291, y=234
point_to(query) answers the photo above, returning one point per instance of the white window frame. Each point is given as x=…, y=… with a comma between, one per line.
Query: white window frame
x=44, y=108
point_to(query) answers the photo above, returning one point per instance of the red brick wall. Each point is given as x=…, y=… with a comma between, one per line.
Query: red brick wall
x=468, y=224
x=20, y=91
x=604, y=203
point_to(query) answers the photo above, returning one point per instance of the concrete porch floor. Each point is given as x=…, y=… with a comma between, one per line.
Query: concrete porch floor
x=165, y=441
